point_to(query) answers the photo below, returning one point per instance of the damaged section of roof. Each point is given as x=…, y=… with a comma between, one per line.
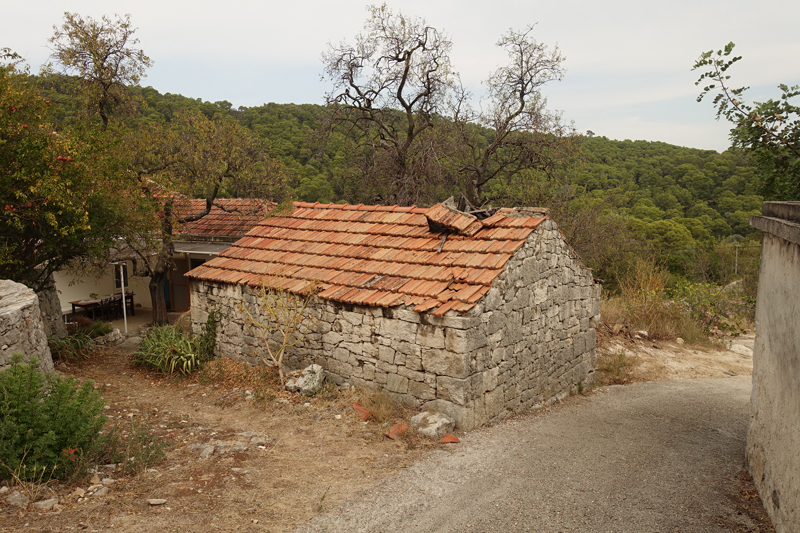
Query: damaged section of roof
x=435, y=259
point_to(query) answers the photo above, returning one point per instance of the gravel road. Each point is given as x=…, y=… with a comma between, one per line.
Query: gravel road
x=649, y=457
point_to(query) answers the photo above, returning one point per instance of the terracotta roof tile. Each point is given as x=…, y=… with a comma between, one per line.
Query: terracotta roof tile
x=375, y=255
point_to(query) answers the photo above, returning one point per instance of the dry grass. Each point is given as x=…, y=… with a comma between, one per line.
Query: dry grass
x=615, y=368
x=644, y=305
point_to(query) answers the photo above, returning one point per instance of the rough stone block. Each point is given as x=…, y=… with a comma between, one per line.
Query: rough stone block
x=386, y=354
x=494, y=402
x=458, y=391
x=422, y=391
x=463, y=416
x=464, y=341
x=430, y=336
x=446, y=363
x=398, y=329
x=397, y=383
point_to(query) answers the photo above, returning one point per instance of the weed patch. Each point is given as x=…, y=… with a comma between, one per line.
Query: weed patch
x=614, y=369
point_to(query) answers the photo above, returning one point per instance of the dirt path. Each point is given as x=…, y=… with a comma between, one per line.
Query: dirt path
x=278, y=460
x=274, y=463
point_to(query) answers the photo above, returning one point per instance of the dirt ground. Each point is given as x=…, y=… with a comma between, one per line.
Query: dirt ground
x=277, y=459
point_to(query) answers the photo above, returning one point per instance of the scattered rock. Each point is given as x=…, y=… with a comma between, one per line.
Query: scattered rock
x=131, y=344
x=17, y=499
x=45, y=505
x=107, y=481
x=208, y=451
x=156, y=501
x=679, y=340
x=78, y=493
x=3, y=490
x=261, y=441
x=433, y=425
x=308, y=381
x=95, y=480
x=741, y=349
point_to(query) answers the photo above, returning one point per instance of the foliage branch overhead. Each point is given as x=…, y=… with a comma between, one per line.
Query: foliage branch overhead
x=768, y=131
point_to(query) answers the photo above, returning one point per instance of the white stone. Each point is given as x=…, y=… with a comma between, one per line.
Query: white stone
x=309, y=381
x=45, y=505
x=433, y=425
x=17, y=499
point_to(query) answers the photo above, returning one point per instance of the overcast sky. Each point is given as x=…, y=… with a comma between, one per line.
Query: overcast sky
x=628, y=62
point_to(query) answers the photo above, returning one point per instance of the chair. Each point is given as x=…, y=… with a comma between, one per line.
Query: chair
x=106, y=308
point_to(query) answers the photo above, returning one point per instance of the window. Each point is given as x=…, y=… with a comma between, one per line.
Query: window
x=117, y=280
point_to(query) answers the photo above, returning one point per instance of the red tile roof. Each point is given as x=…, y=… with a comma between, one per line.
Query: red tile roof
x=435, y=259
x=233, y=219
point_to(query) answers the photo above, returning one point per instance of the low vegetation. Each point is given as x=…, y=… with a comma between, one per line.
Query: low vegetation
x=666, y=306
x=167, y=349
x=52, y=428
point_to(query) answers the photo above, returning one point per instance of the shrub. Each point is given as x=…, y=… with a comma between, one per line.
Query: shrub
x=167, y=350
x=91, y=328
x=48, y=423
x=714, y=309
x=72, y=347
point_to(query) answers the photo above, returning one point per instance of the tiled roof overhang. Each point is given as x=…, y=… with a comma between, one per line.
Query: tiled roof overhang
x=376, y=255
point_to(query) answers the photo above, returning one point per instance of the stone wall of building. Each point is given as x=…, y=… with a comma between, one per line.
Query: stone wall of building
x=530, y=340
x=21, y=328
x=773, y=436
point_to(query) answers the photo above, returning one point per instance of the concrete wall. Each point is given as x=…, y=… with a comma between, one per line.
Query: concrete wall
x=21, y=328
x=530, y=340
x=773, y=439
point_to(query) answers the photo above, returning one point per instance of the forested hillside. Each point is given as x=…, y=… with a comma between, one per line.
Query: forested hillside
x=668, y=198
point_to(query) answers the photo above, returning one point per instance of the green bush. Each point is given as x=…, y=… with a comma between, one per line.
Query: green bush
x=715, y=309
x=167, y=350
x=71, y=348
x=48, y=423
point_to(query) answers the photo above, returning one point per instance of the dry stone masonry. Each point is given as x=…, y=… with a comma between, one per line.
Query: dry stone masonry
x=529, y=341
x=21, y=328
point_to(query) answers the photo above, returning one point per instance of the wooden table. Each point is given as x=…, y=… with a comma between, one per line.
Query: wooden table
x=94, y=303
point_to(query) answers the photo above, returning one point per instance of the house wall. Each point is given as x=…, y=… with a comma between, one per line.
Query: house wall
x=73, y=286
x=530, y=340
x=773, y=438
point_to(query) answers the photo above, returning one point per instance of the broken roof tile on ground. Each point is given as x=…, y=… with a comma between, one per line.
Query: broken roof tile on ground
x=436, y=259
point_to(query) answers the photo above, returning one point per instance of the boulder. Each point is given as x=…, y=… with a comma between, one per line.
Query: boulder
x=308, y=381
x=433, y=425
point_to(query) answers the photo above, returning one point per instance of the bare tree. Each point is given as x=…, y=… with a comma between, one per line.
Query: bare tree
x=387, y=91
x=281, y=318
x=525, y=137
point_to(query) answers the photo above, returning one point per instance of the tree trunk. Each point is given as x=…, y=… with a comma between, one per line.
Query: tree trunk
x=157, y=282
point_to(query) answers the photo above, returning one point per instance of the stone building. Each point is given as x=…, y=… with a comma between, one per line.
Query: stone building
x=478, y=318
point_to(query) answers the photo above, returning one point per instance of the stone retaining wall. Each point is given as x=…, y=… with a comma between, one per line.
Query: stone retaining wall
x=530, y=340
x=21, y=328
